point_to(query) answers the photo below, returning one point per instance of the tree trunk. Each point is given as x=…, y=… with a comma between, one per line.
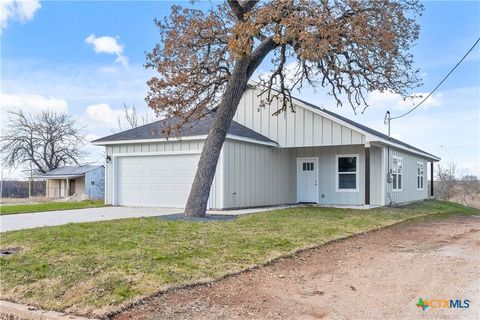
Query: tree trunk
x=198, y=198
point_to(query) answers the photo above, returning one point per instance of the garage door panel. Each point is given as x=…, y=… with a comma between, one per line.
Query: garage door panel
x=161, y=181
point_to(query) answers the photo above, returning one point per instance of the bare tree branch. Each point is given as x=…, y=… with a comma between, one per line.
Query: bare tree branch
x=131, y=119
x=47, y=140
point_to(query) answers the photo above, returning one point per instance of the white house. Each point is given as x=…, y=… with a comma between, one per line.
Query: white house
x=312, y=155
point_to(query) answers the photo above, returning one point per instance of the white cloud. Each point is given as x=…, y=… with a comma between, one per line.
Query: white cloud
x=123, y=60
x=105, y=44
x=22, y=11
x=108, y=45
x=32, y=103
x=394, y=101
x=102, y=114
x=90, y=137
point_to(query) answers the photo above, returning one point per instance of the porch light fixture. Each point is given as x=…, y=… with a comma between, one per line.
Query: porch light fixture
x=108, y=159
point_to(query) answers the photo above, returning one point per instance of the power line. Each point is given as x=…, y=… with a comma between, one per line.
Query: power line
x=445, y=78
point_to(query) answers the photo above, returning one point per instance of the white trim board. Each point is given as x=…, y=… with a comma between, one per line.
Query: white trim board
x=184, y=138
x=158, y=153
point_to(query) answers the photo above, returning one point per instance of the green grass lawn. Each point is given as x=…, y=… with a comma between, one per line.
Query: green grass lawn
x=93, y=268
x=49, y=206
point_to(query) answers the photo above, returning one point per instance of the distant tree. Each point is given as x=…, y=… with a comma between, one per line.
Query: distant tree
x=446, y=181
x=205, y=59
x=46, y=141
x=131, y=119
x=470, y=189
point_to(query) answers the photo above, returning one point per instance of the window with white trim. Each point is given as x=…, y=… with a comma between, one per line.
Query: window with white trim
x=347, y=172
x=420, y=176
x=397, y=173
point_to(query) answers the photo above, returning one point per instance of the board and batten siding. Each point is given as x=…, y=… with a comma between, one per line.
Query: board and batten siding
x=215, y=200
x=409, y=190
x=292, y=129
x=257, y=175
x=327, y=183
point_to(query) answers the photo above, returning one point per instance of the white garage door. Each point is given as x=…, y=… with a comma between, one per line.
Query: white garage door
x=156, y=181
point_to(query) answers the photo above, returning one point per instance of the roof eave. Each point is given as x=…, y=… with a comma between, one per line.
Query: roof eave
x=63, y=176
x=399, y=146
x=130, y=141
x=185, y=138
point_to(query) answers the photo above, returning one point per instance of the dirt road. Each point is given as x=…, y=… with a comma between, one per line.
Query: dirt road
x=380, y=275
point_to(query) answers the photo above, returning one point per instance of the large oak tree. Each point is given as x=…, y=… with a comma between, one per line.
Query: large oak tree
x=205, y=58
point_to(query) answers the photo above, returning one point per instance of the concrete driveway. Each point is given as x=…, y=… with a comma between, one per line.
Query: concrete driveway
x=55, y=218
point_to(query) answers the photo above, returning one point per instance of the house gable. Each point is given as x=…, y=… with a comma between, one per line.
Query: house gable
x=303, y=128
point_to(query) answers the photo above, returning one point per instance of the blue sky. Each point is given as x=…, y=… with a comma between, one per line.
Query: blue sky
x=54, y=55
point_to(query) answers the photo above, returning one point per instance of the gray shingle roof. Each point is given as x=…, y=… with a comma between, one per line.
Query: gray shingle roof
x=195, y=128
x=70, y=171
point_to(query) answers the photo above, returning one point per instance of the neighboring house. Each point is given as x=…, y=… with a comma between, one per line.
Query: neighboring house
x=85, y=181
x=311, y=155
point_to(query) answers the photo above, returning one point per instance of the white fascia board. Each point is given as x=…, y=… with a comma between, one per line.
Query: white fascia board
x=159, y=153
x=59, y=177
x=187, y=138
x=399, y=146
x=244, y=139
x=107, y=143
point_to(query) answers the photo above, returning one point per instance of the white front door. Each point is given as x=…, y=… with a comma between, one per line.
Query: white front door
x=307, y=180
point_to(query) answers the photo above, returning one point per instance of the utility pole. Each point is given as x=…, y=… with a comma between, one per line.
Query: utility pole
x=30, y=182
